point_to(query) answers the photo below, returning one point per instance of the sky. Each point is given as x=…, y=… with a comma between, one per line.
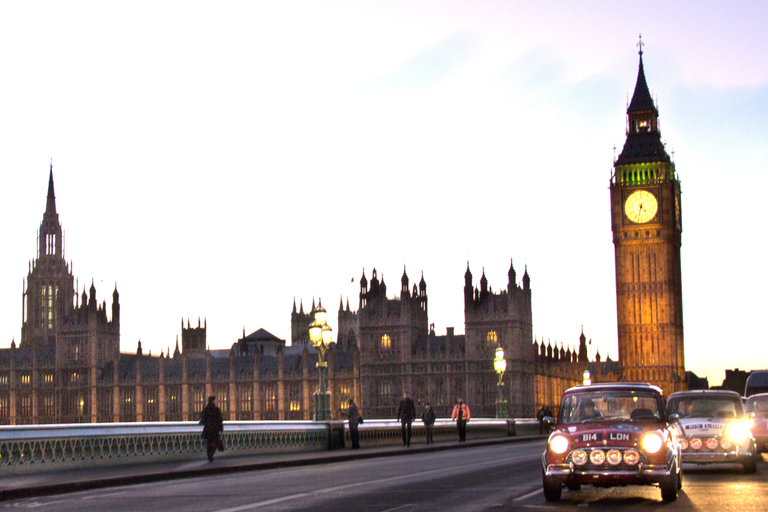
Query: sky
x=222, y=160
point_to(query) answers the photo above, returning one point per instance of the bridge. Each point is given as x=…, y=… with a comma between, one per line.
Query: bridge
x=277, y=466
x=45, y=459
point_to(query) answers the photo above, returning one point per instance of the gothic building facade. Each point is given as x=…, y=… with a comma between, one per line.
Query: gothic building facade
x=68, y=367
x=400, y=351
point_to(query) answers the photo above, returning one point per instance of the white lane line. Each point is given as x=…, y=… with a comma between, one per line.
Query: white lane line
x=253, y=506
x=398, y=508
x=526, y=496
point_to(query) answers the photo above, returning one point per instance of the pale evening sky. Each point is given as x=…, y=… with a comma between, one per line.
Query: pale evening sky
x=218, y=159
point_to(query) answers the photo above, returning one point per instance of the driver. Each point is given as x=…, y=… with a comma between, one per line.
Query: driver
x=588, y=411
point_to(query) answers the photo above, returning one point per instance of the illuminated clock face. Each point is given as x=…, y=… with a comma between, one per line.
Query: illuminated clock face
x=641, y=206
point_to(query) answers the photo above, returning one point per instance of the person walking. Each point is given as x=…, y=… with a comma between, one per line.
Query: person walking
x=428, y=417
x=461, y=415
x=353, y=413
x=540, y=416
x=213, y=425
x=406, y=414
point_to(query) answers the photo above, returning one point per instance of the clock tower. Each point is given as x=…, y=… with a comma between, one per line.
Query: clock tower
x=647, y=226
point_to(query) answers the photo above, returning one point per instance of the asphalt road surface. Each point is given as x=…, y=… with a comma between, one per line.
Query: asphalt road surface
x=489, y=478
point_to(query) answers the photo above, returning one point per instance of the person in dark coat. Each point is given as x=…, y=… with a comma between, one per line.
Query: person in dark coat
x=353, y=413
x=428, y=417
x=406, y=414
x=540, y=416
x=213, y=425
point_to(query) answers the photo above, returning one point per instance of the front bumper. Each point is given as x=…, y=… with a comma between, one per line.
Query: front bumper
x=701, y=457
x=642, y=474
x=643, y=470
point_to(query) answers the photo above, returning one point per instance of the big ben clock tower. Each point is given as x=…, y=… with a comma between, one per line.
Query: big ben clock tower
x=647, y=226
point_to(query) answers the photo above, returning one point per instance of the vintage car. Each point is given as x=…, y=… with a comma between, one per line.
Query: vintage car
x=612, y=434
x=757, y=410
x=713, y=428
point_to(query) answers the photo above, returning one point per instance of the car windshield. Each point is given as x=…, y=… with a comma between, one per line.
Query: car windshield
x=757, y=404
x=705, y=406
x=612, y=405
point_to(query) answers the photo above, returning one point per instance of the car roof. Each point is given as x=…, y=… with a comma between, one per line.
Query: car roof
x=759, y=395
x=618, y=386
x=700, y=392
x=758, y=378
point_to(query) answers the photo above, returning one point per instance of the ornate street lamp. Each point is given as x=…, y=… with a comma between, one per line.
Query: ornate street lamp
x=587, y=378
x=320, y=334
x=500, y=365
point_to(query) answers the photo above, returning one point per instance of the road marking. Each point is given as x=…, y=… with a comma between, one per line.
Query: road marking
x=398, y=508
x=526, y=496
x=266, y=503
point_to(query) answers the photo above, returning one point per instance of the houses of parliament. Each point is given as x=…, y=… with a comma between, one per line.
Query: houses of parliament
x=68, y=367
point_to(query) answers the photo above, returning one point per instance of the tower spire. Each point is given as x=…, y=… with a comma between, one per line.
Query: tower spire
x=50, y=206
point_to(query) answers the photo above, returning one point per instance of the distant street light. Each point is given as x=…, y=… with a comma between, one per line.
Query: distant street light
x=500, y=365
x=320, y=334
x=587, y=378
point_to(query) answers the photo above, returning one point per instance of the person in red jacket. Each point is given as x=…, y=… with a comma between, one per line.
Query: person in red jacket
x=461, y=415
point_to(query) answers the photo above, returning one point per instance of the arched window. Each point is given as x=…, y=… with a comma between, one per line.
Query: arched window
x=492, y=337
x=386, y=342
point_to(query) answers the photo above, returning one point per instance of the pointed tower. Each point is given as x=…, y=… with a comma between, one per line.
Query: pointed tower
x=647, y=227
x=50, y=285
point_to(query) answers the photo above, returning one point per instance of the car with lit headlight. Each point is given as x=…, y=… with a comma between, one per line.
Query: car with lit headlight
x=612, y=435
x=713, y=428
x=757, y=410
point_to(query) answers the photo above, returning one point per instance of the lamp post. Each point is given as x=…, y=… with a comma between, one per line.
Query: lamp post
x=320, y=336
x=587, y=378
x=500, y=365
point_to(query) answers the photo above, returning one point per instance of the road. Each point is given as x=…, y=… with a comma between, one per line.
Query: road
x=489, y=478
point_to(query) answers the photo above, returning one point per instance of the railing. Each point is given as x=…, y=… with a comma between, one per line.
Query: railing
x=42, y=447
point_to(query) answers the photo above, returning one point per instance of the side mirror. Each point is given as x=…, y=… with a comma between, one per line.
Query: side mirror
x=674, y=418
x=549, y=421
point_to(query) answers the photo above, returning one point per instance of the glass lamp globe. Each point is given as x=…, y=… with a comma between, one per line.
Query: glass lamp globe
x=500, y=364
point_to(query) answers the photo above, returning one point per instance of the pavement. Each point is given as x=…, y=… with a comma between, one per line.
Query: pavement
x=29, y=484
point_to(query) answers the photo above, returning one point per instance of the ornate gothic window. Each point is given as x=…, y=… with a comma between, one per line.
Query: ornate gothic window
x=295, y=397
x=386, y=342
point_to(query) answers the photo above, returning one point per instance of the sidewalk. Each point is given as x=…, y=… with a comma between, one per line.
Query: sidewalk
x=71, y=480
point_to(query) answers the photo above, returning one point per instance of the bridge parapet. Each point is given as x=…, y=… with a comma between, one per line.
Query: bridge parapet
x=34, y=448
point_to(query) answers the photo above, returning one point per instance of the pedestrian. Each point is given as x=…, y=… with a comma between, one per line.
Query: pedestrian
x=540, y=416
x=405, y=415
x=428, y=417
x=353, y=413
x=213, y=425
x=551, y=415
x=461, y=415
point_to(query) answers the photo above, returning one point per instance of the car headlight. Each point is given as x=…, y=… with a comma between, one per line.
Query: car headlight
x=580, y=457
x=738, y=431
x=632, y=457
x=597, y=457
x=652, y=442
x=683, y=444
x=696, y=443
x=712, y=443
x=559, y=444
x=613, y=457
